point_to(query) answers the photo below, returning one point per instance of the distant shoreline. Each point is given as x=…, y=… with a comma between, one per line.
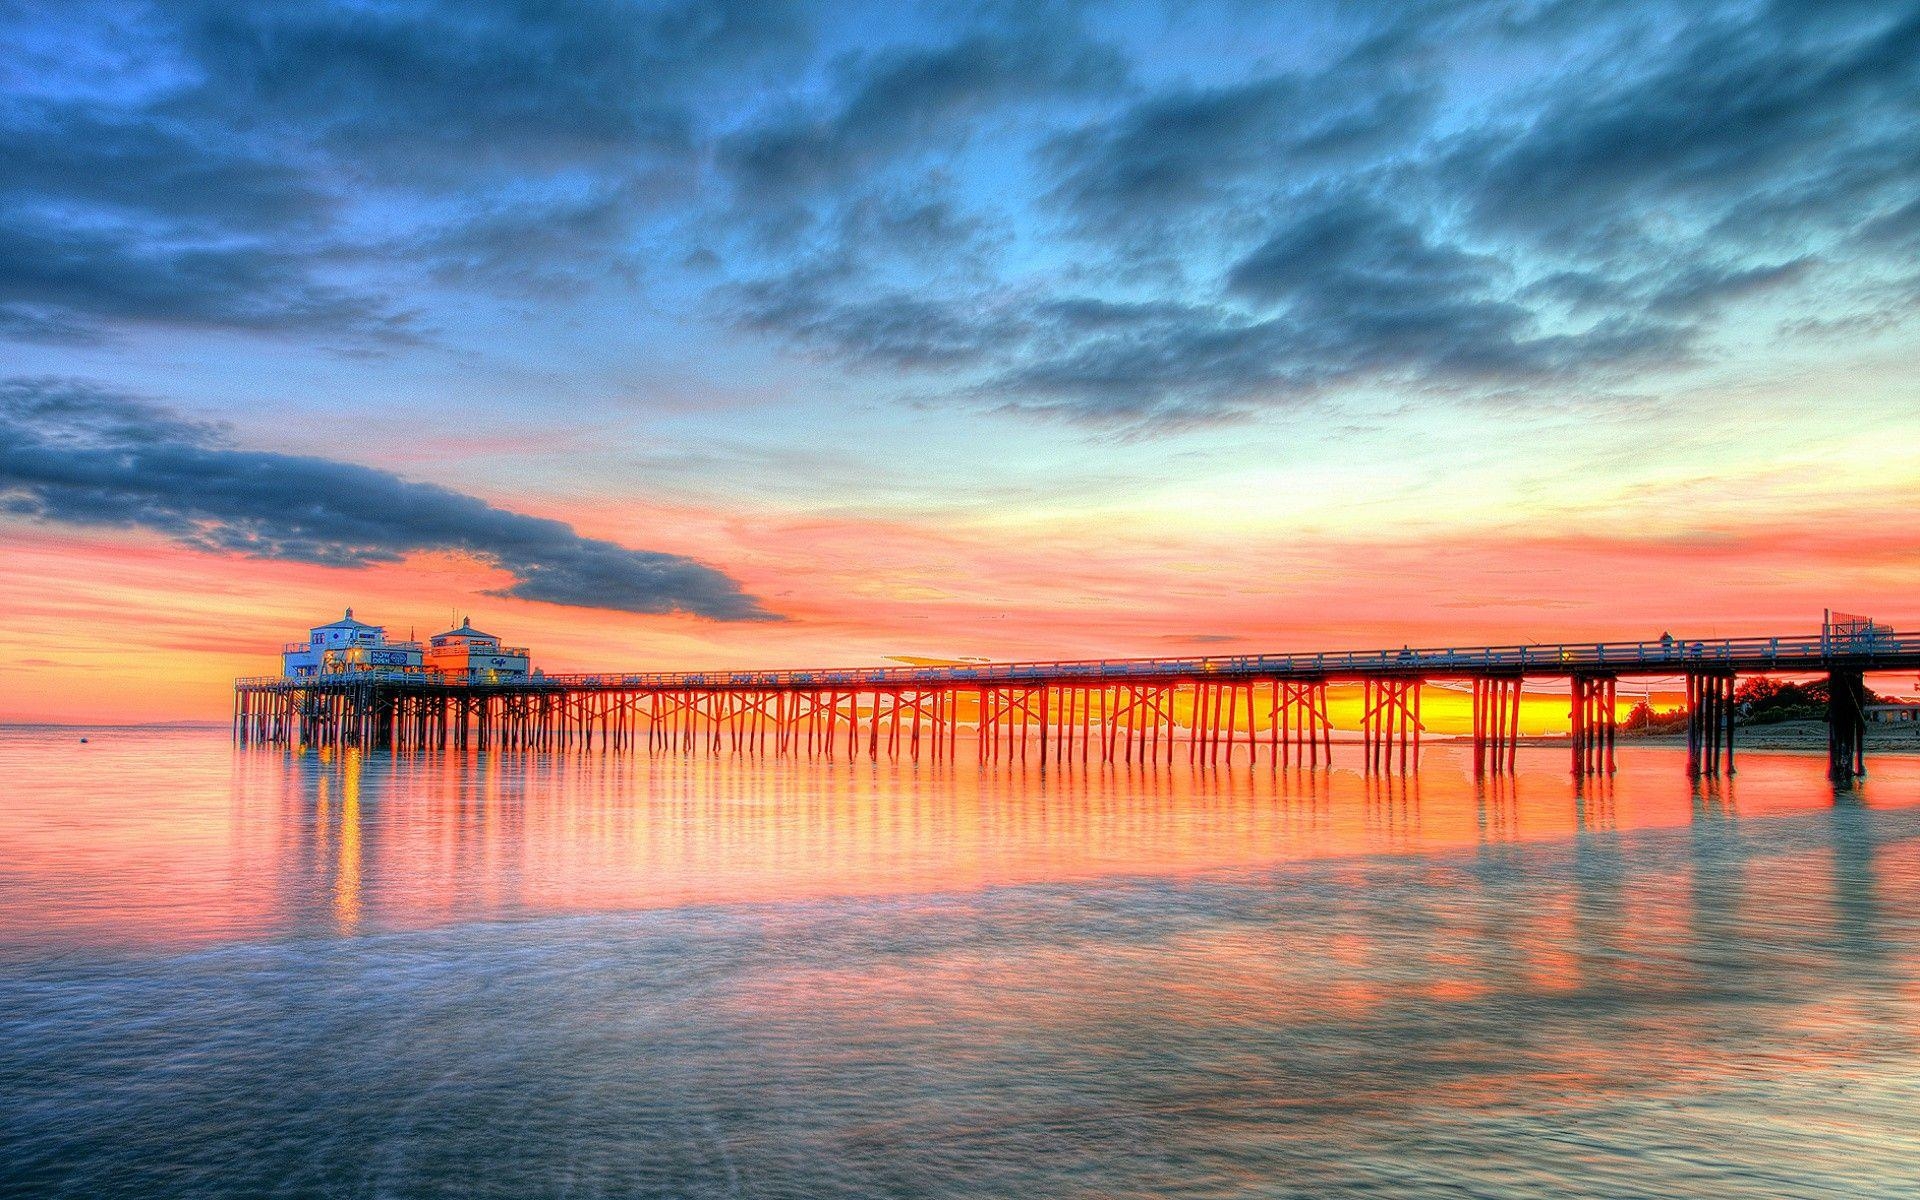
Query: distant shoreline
x=1785, y=735
x=1903, y=738
x=113, y=725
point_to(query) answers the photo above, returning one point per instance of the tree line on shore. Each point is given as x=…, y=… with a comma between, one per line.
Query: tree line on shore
x=1757, y=701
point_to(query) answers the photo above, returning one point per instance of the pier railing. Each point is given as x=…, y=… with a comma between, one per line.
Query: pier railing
x=1880, y=650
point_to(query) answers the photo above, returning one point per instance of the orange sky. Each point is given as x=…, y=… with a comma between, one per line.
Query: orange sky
x=111, y=626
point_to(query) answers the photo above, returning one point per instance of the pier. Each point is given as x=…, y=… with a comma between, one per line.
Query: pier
x=1208, y=710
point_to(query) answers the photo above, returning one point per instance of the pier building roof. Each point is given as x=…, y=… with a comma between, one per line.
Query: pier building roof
x=466, y=630
x=346, y=622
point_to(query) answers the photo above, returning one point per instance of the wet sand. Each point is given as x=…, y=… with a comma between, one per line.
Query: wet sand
x=1898, y=738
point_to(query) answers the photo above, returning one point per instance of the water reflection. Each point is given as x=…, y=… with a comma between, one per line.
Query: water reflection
x=346, y=841
x=1593, y=802
x=228, y=973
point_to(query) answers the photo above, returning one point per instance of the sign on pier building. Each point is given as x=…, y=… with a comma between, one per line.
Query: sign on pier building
x=346, y=646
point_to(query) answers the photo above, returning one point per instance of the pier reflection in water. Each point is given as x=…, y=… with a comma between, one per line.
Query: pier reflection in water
x=229, y=972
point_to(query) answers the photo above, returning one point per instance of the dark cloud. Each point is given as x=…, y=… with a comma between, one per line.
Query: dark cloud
x=1702, y=289
x=1190, y=149
x=144, y=165
x=1386, y=220
x=1734, y=115
x=1176, y=368
x=292, y=167
x=1152, y=367
x=1347, y=290
x=1681, y=293
x=435, y=90
x=73, y=453
x=828, y=302
x=1351, y=254
x=544, y=245
x=900, y=101
x=1370, y=290
x=131, y=219
x=58, y=283
x=898, y=329
x=1454, y=197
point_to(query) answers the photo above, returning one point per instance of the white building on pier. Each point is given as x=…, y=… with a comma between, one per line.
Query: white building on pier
x=467, y=651
x=346, y=646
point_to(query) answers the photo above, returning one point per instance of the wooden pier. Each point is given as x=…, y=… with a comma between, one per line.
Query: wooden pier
x=1269, y=708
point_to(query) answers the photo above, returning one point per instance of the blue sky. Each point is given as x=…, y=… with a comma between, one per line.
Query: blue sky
x=1261, y=273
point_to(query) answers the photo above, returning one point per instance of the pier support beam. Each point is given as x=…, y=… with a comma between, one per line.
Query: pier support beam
x=1846, y=726
x=1299, y=732
x=1390, y=723
x=1709, y=723
x=1594, y=714
x=1496, y=723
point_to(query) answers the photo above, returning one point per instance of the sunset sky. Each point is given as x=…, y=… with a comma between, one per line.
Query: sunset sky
x=655, y=336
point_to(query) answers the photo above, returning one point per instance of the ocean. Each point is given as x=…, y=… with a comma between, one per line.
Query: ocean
x=248, y=971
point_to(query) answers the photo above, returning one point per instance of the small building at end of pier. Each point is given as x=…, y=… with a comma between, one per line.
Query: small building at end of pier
x=467, y=651
x=345, y=646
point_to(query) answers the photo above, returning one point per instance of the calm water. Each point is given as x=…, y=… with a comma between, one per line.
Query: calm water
x=247, y=972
